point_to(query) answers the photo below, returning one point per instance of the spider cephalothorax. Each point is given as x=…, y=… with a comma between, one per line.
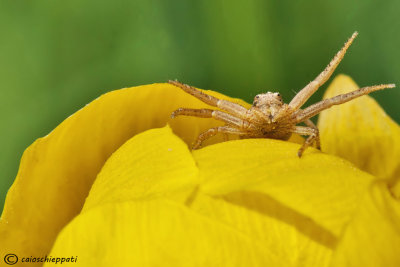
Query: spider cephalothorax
x=269, y=103
x=269, y=116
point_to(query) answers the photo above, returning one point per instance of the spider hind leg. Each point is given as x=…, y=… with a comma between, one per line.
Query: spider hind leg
x=313, y=136
x=309, y=123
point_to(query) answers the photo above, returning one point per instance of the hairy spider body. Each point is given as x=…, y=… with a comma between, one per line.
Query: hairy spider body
x=265, y=111
x=269, y=116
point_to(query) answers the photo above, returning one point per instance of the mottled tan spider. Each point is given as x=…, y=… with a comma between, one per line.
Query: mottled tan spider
x=270, y=117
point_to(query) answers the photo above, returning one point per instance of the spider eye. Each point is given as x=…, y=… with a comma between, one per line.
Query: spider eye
x=278, y=94
x=257, y=96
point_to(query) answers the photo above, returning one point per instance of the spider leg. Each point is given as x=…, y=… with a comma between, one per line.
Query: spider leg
x=202, y=113
x=309, y=123
x=327, y=103
x=312, y=136
x=313, y=86
x=209, y=113
x=213, y=131
x=228, y=106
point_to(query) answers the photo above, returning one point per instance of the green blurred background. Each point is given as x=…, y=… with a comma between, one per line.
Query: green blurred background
x=56, y=56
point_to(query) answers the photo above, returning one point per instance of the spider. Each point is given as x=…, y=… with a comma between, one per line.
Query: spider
x=269, y=116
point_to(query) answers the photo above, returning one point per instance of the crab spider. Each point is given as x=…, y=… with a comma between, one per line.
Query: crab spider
x=269, y=116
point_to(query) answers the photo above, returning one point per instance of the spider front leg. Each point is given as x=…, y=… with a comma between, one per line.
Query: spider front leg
x=313, y=86
x=302, y=115
x=232, y=108
x=313, y=135
x=213, y=131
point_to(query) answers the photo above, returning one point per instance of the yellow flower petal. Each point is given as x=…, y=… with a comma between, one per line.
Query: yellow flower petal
x=57, y=171
x=152, y=164
x=373, y=235
x=254, y=199
x=395, y=189
x=292, y=238
x=157, y=165
x=361, y=132
x=157, y=232
x=318, y=188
